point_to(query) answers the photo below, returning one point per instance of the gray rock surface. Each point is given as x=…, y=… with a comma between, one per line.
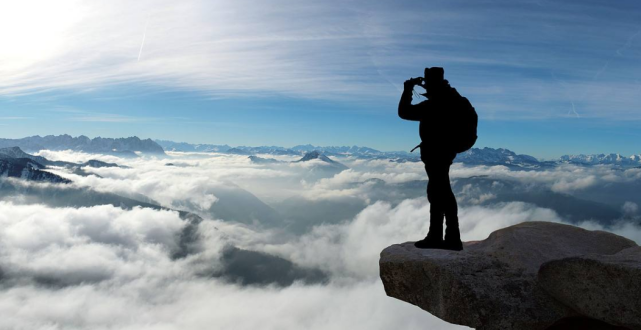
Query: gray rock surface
x=492, y=284
x=605, y=287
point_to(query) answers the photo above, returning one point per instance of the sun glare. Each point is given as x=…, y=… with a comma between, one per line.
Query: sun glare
x=33, y=31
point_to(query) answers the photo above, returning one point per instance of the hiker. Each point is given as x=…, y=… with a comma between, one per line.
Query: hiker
x=447, y=126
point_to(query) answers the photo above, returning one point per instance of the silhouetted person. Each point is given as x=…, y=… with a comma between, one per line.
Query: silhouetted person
x=447, y=126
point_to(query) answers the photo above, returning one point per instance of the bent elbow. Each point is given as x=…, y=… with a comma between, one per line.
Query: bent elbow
x=403, y=113
x=406, y=114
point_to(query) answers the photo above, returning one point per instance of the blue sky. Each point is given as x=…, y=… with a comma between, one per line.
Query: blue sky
x=546, y=78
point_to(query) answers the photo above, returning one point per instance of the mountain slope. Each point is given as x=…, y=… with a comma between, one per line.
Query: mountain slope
x=490, y=156
x=27, y=169
x=316, y=155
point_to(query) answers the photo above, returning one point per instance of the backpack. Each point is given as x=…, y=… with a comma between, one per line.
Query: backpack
x=463, y=126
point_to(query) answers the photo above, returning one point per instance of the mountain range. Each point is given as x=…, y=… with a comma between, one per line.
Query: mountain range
x=123, y=147
x=505, y=157
x=132, y=146
x=299, y=150
x=474, y=156
x=602, y=159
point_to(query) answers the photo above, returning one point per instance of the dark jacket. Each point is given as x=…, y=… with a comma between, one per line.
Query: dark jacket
x=436, y=117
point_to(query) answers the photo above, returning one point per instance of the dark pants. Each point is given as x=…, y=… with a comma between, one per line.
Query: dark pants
x=439, y=193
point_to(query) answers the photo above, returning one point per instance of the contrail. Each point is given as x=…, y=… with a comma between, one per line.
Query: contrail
x=574, y=110
x=565, y=87
x=628, y=43
x=144, y=34
x=605, y=66
x=388, y=80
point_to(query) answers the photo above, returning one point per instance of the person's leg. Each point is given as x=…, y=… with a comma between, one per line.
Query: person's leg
x=452, y=234
x=434, y=238
x=436, y=203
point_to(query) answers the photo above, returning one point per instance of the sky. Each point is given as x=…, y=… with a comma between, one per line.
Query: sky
x=546, y=78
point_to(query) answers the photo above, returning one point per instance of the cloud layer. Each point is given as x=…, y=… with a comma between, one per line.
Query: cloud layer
x=103, y=266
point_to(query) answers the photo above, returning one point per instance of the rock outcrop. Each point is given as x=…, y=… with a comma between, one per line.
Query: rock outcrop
x=605, y=287
x=494, y=284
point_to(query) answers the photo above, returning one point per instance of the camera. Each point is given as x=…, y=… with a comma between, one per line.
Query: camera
x=417, y=81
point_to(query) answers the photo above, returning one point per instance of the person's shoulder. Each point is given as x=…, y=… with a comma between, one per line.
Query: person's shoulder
x=458, y=95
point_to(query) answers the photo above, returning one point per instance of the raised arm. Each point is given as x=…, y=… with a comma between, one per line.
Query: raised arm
x=406, y=110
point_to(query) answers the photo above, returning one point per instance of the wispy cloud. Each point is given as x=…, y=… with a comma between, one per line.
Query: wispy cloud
x=356, y=51
x=220, y=48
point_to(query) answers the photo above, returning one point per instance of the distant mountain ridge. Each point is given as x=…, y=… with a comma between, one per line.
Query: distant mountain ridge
x=299, y=150
x=602, y=159
x=490, y=156
x=475, y=156
x=188, y=147
x=119, y=146
x=309, y=156
x=344, y=150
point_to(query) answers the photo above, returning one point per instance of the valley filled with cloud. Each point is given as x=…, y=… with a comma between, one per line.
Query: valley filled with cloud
x=218, y=240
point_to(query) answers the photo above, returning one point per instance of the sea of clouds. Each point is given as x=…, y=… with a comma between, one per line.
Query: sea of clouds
x=112, y=267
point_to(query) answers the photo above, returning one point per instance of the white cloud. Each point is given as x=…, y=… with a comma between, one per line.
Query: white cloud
x=331, y=50
x=121, y=276
x=564, y=178
x=576, y=184
x=104, y=267
x=190, y=186
x=351, y=250
x=199, y=304
x=193, y=184
x=630, y=208
x=626, y=229
x=219, y=47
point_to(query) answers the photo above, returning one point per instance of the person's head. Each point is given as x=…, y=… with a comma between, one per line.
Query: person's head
x=434, y=80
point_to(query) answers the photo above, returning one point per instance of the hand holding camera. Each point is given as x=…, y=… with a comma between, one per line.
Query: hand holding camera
x=410, y=83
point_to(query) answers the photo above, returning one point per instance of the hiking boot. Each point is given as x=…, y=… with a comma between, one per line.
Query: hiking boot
x=429, y=243
x=452, y=239
x=452, y=245
x=434, y=238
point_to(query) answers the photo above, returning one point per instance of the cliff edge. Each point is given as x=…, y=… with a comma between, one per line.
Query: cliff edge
x=530, y=276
